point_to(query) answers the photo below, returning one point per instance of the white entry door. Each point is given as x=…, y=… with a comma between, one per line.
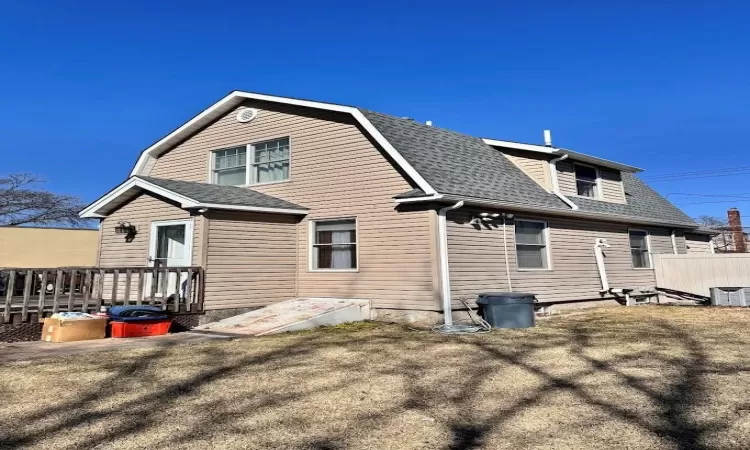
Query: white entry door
x=171, y=246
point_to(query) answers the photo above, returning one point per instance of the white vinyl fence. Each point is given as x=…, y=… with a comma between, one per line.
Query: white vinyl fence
x=697, y=273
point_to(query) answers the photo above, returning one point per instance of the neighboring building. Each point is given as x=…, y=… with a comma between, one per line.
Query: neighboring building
x=278, y=198
x=31, y=247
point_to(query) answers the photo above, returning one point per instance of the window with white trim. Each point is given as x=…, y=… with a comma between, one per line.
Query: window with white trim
x=640, y=251
x=230, y=166
x=531, y=244
x=268, y=162
x=587, y=181
x=334, y=245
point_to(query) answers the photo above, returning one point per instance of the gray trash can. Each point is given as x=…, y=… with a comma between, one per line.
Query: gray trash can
x=508, y=309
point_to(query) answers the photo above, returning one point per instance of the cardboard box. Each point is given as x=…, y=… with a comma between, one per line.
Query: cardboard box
x=69, y=330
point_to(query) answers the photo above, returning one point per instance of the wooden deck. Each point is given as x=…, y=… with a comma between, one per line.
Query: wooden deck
x=44, y=291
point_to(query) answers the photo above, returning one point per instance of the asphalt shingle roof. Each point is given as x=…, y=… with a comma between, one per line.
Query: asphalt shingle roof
x=222, y=195
x=461, y=165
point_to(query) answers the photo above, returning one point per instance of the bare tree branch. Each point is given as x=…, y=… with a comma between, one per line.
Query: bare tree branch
x=22, y=203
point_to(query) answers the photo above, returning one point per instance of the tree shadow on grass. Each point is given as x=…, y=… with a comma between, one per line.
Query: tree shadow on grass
x=420, y=363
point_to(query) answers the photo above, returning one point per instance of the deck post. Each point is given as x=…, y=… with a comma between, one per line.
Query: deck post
x=10, y=286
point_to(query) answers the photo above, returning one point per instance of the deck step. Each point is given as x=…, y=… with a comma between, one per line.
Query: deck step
x=292, y=315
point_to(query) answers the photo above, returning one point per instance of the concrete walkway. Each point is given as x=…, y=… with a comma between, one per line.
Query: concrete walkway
x=27, y=351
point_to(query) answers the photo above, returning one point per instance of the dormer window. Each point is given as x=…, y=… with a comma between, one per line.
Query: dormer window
x=587, y=181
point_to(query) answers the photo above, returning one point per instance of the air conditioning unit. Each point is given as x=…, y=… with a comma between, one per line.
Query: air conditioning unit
x=730, y=296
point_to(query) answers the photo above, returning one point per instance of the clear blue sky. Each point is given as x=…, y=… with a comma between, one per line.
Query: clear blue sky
x=84, y=87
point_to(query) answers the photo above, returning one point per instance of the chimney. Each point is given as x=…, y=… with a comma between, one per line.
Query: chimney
x=548, y=138
x=735, y=226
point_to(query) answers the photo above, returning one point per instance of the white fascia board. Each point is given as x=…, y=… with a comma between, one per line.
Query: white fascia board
x=91, y=211
x=520, y=146
x=419, y=199
x=260, y=209
x=223, y=106
x=558, y=151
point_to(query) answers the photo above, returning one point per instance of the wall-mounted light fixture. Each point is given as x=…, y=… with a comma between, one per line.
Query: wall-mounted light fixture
x=128, y=229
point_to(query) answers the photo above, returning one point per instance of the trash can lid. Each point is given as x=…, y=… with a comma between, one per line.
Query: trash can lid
x=504, y=298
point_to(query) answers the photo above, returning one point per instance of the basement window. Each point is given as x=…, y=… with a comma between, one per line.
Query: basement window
x=640, y=249
x=532, y=250
x=587, y=181
x=334, y=245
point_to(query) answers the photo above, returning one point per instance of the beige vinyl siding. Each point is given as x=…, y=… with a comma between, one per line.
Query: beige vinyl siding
x=610, y=182
x=114, y=251
x=535, y=166
x=336, y=172
x=698, y=243
x=660, y=239
x=566, y=178
x=251, y=259
x=477, y=263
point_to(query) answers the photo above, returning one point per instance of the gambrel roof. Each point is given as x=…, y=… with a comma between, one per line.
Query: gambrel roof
x=444, y=165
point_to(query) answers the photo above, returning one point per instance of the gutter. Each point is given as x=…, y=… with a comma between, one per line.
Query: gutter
x=445, y=283
x=547, y=211
x=556, y=185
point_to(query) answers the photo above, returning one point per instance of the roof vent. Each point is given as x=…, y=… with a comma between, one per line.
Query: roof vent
x=548, y=138
x=246, y=115
x=428, y=123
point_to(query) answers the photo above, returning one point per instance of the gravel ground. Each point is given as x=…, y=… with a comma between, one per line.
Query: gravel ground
x=636, y=378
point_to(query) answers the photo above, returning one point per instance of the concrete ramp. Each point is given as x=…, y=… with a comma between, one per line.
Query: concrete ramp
x=292, y=315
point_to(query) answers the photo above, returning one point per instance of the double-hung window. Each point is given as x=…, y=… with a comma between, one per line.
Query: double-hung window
x=230, y=166
x=587, y=181
x=334, y=245
x=532, y=250
x=264, y=162
x=640, y=251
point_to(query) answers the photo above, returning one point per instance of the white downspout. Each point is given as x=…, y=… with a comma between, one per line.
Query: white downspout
x=599, y=255
x=674, y=242
x=556, y=184
x=505, y=249
x=445, y=283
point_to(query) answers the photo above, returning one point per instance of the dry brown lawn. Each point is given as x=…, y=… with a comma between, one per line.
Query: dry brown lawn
x=637, y=378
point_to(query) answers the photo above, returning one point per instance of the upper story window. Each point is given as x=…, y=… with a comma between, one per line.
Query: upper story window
x=268, y=162
x=230, y=166
x=587, y=181
x=640, y=249
x=532, y=250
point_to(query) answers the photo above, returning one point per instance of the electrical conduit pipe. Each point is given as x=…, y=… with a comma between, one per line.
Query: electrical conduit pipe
x=445, y=283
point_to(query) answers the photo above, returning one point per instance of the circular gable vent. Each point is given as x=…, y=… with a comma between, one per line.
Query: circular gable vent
x=246, y=115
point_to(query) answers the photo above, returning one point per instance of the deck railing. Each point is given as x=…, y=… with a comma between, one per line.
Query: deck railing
x=46, y=291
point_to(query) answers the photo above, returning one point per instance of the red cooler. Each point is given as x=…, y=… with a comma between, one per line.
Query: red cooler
x=140, y=328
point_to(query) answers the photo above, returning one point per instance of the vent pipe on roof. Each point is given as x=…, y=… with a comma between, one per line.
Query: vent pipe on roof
x=428, y=123
x=548, y=138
